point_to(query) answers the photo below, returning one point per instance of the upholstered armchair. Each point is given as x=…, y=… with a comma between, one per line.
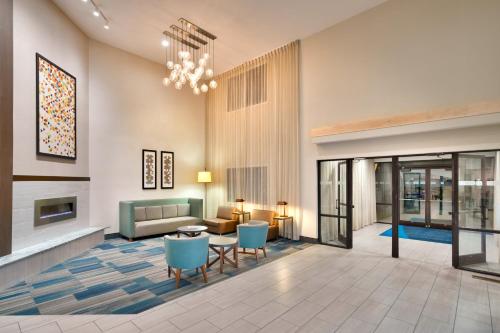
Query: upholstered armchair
x=186, y=253
x=225, y=222
x=253, y=235
x=267, y=216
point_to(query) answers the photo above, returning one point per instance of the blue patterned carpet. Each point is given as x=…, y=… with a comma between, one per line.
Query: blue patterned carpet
x=421, y=233
x=119, y=277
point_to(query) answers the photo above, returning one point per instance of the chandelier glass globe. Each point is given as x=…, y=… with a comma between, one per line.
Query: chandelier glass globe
x=213, y=84
x=196, y=90
x=170, y=64
x=204, y=88
x=202, y=62
x=173, y=75
x=166, y=81
x=209, y=72
x=206, y=56
x=178, y=85
x=177, y=67
x=182, y=79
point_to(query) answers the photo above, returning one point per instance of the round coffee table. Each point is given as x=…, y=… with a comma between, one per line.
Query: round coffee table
x=191, y=230
x=222, y=246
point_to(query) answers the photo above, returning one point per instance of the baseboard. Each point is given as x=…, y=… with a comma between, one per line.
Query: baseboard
x=308, y=240
x=112, y=236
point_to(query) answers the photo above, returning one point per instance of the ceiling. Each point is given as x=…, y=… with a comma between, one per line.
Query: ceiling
x=245, y=28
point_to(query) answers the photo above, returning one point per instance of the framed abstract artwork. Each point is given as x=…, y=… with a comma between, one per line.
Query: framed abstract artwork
x=167, y=170
x=55, y=110
x=148, y=169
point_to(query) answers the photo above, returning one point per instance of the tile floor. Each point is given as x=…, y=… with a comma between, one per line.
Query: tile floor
x=319, y=289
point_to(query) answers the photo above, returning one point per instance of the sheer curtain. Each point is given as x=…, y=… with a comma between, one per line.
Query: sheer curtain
x=364, y=194
x=253, y=134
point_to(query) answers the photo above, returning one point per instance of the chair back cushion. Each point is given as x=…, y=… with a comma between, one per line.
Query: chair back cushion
x=253, y=235
x=263, y=215
x=183, y=210
x=140, y=214
x=225, y=212
x=153, y=213
x=186, y=253
x=169, y=211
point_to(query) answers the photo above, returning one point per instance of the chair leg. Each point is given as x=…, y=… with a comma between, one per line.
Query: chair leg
x=204, y=272
x=169, y=271
x=130, y=239
x=196, y=270
x=264, y=250
x=177, y=277
x=257, y=255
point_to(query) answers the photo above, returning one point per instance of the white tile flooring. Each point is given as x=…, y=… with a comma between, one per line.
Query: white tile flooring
x=319, y=289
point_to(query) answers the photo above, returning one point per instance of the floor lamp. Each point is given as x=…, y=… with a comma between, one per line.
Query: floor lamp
x=205, y=177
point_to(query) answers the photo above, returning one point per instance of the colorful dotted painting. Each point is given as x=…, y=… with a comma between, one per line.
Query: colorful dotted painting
x=56, y=110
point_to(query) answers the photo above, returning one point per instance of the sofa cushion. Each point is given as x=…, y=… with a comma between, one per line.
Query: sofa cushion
x=216, y=221
x=183, y=210
x=163, y=226
x=140, y=214
x=169, y=211
x=153, y=213
x=225, y=212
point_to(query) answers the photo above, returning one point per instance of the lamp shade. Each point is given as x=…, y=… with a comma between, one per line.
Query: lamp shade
x=204, y=177
x=282, y=211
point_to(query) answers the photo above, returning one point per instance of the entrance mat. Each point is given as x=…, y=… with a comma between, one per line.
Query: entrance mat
x=421, y=234
x=120, y=277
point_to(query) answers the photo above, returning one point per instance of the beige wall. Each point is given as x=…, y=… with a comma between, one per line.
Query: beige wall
x=402, y=56
x=39, y=26
x=130, y=110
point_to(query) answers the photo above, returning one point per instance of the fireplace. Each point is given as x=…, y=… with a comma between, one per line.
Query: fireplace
x=53, y=210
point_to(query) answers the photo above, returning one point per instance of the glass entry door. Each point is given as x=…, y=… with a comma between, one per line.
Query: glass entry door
x=335, y=203
x=426, y=195
x=478, y=224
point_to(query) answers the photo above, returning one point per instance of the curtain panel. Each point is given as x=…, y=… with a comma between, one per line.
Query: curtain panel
x=253, y=134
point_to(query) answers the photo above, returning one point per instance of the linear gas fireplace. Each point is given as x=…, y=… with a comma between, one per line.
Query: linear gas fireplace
x=54, y=210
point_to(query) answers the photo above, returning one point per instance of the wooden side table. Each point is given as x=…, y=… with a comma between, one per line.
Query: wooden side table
x=241, y=217
x=285, y=219
x=222, y=246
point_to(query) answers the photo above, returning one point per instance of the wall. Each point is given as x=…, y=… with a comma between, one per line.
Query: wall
x=39, y=26
x=402, y=56
x=131, y=111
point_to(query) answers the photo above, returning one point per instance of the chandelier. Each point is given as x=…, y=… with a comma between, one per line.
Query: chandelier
x=189, y=53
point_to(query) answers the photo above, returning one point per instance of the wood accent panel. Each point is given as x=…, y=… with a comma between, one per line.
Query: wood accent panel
x=29, y=178
x=479, y=109
x=6, y=124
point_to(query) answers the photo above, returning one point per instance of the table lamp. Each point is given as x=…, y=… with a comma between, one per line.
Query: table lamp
x=240, y=204
x=282, y=208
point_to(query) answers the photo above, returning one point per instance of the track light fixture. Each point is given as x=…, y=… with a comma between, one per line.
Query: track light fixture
x=97, y=12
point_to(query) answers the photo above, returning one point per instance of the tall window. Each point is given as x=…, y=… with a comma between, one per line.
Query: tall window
x=248, y=183
x=247, y=88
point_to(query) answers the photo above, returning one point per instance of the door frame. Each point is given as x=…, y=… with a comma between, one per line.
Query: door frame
x=427, y=199
x=348, y=216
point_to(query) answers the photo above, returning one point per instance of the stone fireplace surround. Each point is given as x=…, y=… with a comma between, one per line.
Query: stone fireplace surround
x=35, y=248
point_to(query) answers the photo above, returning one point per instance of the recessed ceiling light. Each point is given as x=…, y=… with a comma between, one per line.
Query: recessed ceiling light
x=85, y=0
x=106, y=26
x=96, y=13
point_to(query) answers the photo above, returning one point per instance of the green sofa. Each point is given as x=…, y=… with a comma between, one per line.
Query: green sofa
x=139, y=218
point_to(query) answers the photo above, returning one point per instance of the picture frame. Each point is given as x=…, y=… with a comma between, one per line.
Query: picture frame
x=149, y=169
x=167, y=159
x=56, y=116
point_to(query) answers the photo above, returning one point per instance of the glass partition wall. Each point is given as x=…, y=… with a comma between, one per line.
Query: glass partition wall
x=335, y=202
x=478, y=211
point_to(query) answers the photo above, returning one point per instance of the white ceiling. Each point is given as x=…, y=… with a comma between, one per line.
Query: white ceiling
x=245, y=28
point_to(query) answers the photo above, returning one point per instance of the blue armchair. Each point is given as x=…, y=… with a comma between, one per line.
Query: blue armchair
x=186, y=253
x=253, y=235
